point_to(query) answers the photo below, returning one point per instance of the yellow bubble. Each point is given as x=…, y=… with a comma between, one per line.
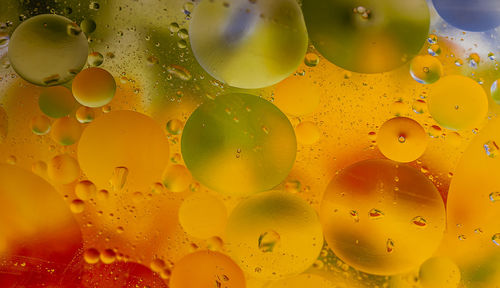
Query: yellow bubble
x=94, y=87
x=297, y=95
x=77, y=206
x=42, y=51
x=176, y=178
x=391, y=244
x=85, y=190
x=302, y=281
x=206, y=269
x=66, y=131
x=307, y=133
x=157, y=265
x=174, y=126
x=274, y=234
x=39, y=168
x=40, y=125
x=402, y=139
x=56, y=102
x=439, y=272
x=426, y=69
x=95, y=59
x=457, y=102
x=63, y=169
x=85, y=114
x=202, y=215
x=123, y=139
x=248, y=44
x=108, y=256
x=91, y=255
x=4, y=124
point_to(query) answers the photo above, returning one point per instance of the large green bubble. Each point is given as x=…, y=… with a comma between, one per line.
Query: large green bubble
x=48, y=50
x=248, y=44
x=238, y=144
x=367, y=36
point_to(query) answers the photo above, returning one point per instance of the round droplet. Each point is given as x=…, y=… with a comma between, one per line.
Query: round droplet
x=108, y=256
x=176, y=178
x=94, y=87
x=307, y=133
x=56, y=102
x=85, y=190
x=388, y=245
x=63, y=169
x=311, y=59
x=375, y=214
x=203, y=216
x=419, y=106
x=91, y=255
x=439, y=272
x=42, y=51
x=95, y=59
x=402, y=139
x=263, y=134
x=112, y=139
x=157, y=265
x=274, y=234
x=457, y=102
x=207, y=269
x=66, y=131
x=495, y=91
x=367, y=36
x=248, y=44
x=426, y=69
x=85, y=114
x=40, y=125
x=88, y=26
x=470, y=16
x=419, y=221
x=174, y=126
x=77, y=206
x=297, y=95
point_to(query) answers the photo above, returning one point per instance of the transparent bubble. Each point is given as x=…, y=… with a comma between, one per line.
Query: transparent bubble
x=426, y=69
x=402, y=139
x=211, y=138
x=375, y=37
x=66, y=131
x=213, y=269
x=95, y=59
x=457, y=102
x=56, y=102
x=495, y=92
x=174, y=126
x=108, y=256
x=276, y=233
x=311, y=60
x=297, y=95
x=91, y=255
x=307, y=133
x=385, y=245
x=88, y=26
x=176, y=178
x=94, y=87
x=85, y=189
x=77, y=206
x=63, y=169
x=40, y=125
x=260, y=42
x=42, y=51
x=85, y=114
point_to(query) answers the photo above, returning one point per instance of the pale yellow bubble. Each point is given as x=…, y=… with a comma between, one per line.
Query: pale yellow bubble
x=202, y=215
x=66, y=131
x=439, y=272
x=94, y=87
x=63, y=169
x=40, y=125
x=307, y=133
x=457, y=102
x=176, y=178
x=91, y=255
x=402, y=139
x=274, y=234
x=426, y=69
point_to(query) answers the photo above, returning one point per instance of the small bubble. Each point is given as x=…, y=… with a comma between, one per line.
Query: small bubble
x=268, y=240
x=376, y=214
x=390, y=245
x=401, y=139
x=494, y=196
x=94, y=6
x=491, y=149
x=419, y=221
x=311, y=60
x=496, y=239
x=354, y=215
x=119, y=178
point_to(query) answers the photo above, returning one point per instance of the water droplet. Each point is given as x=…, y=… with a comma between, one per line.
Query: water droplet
x=311, y=59
x=179, y=72
x=119, y=178
x=491, y=149
x=268, y=240
x=91, y=255
x=390, y=245
x=73, y=29
x=94, y=6
x=174, y=126
x=108, y=256
x=419, y=221
x=461, y=237
x=432, y=39
x=375, y=214
x=401, y=139
x=494, y=196
x=95, y=59
x=77, y=206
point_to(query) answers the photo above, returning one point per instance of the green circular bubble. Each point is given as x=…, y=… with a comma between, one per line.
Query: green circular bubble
x=367, y=36
x=48, y=50
x=56, y=102
x=248, y=44
x=238, y=144
x=88, y=26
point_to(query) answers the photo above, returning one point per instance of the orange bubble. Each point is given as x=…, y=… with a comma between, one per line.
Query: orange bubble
x=297, y=95
x=125, y=147
x=307, y=133
x=426, y=69
x=457, y=102
x=63, y=169
x=402, y=139
x=66, y=131
x=94, y=87
x=206, y=269
x=176, y=178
